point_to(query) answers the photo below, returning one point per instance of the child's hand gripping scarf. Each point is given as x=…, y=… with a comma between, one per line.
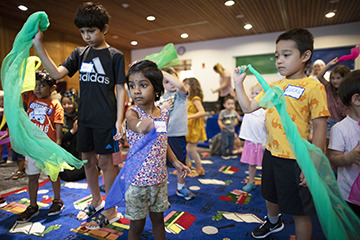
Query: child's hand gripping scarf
x=337, y=219
x=134, y=159
x=26, y=138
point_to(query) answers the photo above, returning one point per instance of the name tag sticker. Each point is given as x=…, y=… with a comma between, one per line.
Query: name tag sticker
x=294, y=91
x=86, y=67
x=160, y=126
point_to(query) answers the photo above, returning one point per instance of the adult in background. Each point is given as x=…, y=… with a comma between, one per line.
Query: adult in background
x=225, y=88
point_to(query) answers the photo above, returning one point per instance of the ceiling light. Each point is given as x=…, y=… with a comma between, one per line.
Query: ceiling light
x=330, y=15
x=125, y=5
x=150, y=18
x=248, y=26
x=184, y=35
x=115, y=36
x=240, y=16
x=134, y=43
x=22, y=8
x=229, y=3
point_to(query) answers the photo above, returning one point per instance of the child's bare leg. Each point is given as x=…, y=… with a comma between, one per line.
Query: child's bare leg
x=33, y=188
x=136, y=229
x=106, y=165
x=56, y=188
x=21, y=164
x=303, y=227
x=191, y=148
x=252, y=172
x=187, y=160
x=272, y=208
x=92, y=178
x=157, y=220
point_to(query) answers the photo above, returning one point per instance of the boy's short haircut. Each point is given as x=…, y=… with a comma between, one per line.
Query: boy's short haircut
x=227, y=98
x=43, y=76
x=303, y=39
x=89, y=14
x=150, y=71
x=170, y=70
x=349, y=86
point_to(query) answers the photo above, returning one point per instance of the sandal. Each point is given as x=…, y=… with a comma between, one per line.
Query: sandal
x=56, y=207
x=102, y=221
x=28, y=214
x=18, y=174
x=91, y=211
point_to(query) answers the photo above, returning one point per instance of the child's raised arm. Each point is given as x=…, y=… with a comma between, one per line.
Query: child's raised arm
x=200, y=108
x=321, y=74
x=178, y=84
x=54, y=71
x=246, y=104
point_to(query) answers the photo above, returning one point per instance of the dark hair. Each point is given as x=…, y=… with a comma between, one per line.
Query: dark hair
x=89, y=14
x=303, y=39
x=43, y=76
x=228, y=97
x=170, y=70
x=349, y=86
x=195, y=88
x=150, y=71
x=69, y=94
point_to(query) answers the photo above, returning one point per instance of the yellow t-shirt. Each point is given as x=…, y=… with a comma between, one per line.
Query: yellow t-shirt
x=306, y=100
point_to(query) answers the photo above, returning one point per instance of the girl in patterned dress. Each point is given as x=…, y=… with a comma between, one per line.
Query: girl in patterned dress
x=147, y=192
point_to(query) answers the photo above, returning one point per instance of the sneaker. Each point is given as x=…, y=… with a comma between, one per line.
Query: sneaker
x=2, y=161
x=3, y=202
x=225, y=157
x=56, y=207
x=267, y=228
x=248, y=187
x=185, y=193
x=18, y=174
x=28, y=214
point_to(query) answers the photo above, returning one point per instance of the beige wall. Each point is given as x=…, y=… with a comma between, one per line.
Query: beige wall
x=59, y=46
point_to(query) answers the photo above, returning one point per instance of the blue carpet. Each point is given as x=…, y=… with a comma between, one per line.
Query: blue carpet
x=215, y=205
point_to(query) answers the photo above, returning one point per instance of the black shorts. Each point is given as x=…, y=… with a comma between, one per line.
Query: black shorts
x=280, y=184
x=96, y=139
x=178, y=146
x=16, y=156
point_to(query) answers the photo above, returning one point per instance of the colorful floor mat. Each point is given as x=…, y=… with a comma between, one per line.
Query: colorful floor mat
x=221, y=210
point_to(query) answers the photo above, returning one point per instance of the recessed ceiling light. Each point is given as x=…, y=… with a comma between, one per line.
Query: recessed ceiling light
x=229, y=3
x=23, y=8
x=115, y=36
x=248, y=26
x=184, y=35
x=150, y=18
x=125, y=5
x=240, y=16
x=330, y=15
x=134, y=43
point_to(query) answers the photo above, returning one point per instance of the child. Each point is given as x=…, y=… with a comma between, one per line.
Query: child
x=305, y=100
x=196, y=126
x=175, y=101
x=148, y=190
x=337, y=109
x=101, y=67
x=345, y=138
x=5, y=140
x=18, y=158
x=48, y=115
x=228, y=119
x=69, y=138
x=253, y=131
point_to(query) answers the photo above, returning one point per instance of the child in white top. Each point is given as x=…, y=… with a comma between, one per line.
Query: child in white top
x=344, y=143
x=253, y=131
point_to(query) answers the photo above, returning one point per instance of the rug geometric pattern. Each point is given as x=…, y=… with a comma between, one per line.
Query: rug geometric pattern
x=221, y=210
